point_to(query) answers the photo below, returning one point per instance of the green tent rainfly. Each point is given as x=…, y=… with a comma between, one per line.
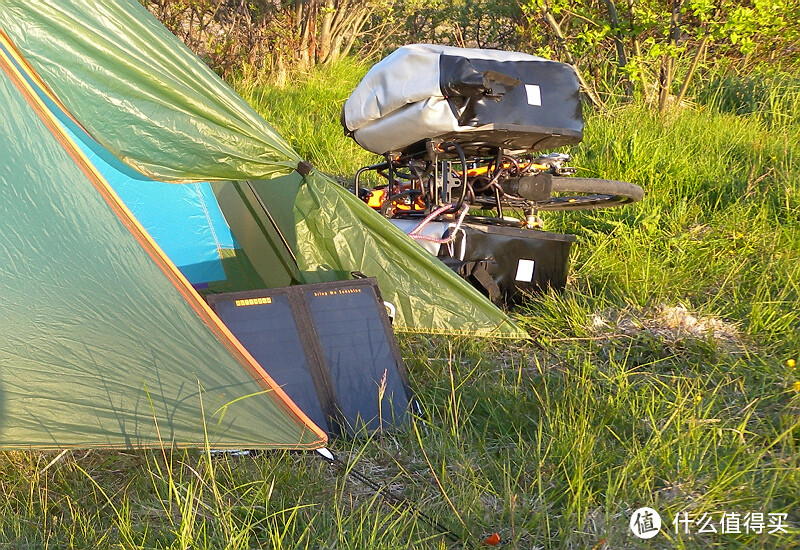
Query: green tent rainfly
x=148, y=99
x=104, y=343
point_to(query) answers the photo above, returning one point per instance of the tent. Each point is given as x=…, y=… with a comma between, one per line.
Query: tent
x=105, y=342
x=184, y=220
x=101, y=333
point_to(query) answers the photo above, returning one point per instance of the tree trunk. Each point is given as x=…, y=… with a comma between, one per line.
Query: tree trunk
x=556, y=28
x=324, y=50
x=622, y=58
x=668, y=61
x=637, y=52
x=306, y=27
x=692, y=68
x=347, y=25
x=325, y=30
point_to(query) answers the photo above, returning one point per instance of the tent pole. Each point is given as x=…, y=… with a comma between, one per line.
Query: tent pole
x=274, y=225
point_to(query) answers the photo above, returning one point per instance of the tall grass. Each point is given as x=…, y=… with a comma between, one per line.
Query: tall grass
x=775, y=99
x=718, y=229
x=662, y=378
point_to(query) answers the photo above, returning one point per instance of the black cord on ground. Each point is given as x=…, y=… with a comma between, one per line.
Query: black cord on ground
x=541, y=347
x=389, y=495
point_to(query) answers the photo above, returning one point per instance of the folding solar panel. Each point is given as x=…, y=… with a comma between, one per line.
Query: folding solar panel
x=329, y=346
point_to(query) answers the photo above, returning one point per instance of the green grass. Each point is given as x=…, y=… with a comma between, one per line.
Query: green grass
x=663, y=380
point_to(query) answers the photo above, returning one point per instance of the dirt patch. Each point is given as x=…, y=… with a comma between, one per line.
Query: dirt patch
x=672, y=323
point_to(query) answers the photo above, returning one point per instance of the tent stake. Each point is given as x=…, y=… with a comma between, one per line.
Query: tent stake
x=56, y=459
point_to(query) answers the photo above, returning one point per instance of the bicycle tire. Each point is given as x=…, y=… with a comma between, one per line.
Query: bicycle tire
x=588, y=193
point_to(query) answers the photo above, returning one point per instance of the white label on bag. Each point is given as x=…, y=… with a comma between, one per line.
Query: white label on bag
x=525, y=271
x=534, y=94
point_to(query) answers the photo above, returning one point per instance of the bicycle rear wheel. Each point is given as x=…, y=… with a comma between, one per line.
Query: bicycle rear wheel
x=588, y=193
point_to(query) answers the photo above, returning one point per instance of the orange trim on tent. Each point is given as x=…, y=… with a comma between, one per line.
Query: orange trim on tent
x=31, y=72
x=222, y=332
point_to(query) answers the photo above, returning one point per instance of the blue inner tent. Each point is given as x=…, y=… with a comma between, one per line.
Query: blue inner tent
x=183, y=219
